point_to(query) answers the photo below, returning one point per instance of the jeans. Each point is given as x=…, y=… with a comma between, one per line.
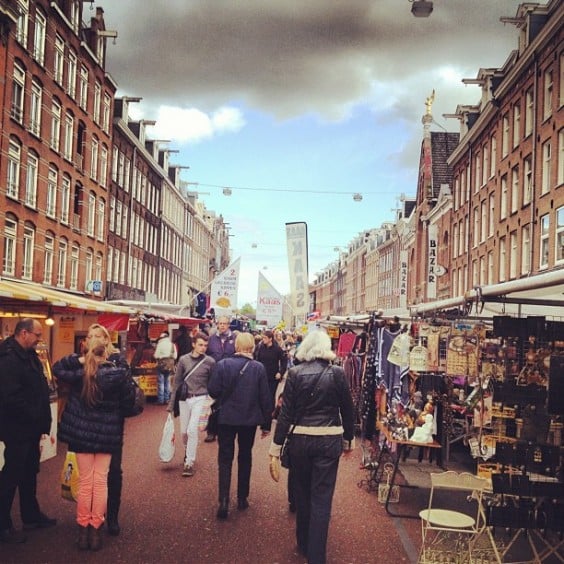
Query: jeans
x=115, y=481
x=190, y=411
x=21, y=466
x=315, y=461
x=245, y=439
x=163, y=387
x=92, y=497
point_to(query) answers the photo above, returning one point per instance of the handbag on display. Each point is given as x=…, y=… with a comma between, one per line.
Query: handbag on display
x=167, y=445
x=69, y=477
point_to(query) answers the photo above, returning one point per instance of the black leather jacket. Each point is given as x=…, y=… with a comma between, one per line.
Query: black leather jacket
x=331, y=404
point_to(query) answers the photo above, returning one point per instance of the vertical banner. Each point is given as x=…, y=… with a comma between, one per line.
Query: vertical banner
x=296, y=238
x=403, y=280
x=269, y=303
x=224, y=288
x=432, y=261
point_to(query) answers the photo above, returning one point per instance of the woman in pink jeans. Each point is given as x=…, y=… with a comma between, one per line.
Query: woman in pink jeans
x=92, y=426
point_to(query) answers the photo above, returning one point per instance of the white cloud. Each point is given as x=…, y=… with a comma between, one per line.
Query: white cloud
x=191, y=125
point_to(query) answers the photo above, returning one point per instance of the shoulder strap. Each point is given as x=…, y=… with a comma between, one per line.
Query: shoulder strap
x=231, y=389
x=193, y=368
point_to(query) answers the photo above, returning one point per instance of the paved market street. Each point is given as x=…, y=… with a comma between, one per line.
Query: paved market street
x=168, y=518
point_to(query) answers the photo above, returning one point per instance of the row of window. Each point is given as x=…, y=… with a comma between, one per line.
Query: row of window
x=62, y=262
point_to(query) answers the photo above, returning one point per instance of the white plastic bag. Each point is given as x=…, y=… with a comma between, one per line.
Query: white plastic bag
x=166, y=448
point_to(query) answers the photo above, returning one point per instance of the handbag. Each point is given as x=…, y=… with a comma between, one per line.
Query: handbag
x=69, y=477
x=167, y=444
x=213, y=420
x=182, y=390
x=139, y=402
x=285, y=449
x=165, y=365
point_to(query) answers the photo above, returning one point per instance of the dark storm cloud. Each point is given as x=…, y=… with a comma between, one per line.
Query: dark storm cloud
x=291, y=57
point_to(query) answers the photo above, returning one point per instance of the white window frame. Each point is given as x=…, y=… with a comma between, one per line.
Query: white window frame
x=39, y=37
x=527, y=180
x=529, y=111
x=36, y=99
x=32, y=174
x=493, y=156
x=71, y=73
x=94, y=148
x=491, y=267
x=74, y=267
x=491, y=215
x=544, y=223
x=18, y=90
x=52, y=187
x=101, y=219
x=502, y=259
x=56, y=111
x=559, y=236
x=103, y=166
x=88, y=265
x=516, y=125
x=97, y=102
x=503, y=198
x=28, y=251
x=106, y=112
x=62, y=262
x=65, y=199
x=59, y=60
x=525, y=249
x=68, y=141
x=546, y=166
x=13, y=169
x=513, y=255
x=560, y=175
x=83, y=88
x=505, y=136
x=514, y=189
x=548, y=86
x=91, y=214
x=22, y=25
x=10, y=245
x=48, y=258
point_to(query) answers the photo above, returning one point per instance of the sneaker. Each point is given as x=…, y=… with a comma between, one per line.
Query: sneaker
x=188, y=470
x=12, y=536
x=43, y=522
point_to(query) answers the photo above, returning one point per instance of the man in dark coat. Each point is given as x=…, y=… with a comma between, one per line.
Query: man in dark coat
x=25, y=415
x=274, y=359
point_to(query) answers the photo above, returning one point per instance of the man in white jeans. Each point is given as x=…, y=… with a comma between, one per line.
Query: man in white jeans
x=191, y=379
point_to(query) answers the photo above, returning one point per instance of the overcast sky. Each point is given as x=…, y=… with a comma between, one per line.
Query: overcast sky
x=296, y=105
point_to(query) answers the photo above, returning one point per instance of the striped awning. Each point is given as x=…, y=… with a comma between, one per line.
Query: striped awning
x=32, y=292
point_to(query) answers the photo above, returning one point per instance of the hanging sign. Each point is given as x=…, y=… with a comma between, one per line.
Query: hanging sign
x=432, y=262
x=296, y=238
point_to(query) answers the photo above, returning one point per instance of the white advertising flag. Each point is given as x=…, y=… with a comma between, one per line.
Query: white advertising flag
x=224, y=288
x=296, y=238
x=269, y=303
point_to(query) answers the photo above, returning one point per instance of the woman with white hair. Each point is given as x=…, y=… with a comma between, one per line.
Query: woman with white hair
x=318, y=411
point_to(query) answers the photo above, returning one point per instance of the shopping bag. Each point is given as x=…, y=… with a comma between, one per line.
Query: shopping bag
x=205, y=415
x=69, y=477
x=166, y=448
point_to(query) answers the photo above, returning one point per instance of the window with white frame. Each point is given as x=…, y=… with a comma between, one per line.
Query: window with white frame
x=10, y=250
x=476, y=233
x=560, y=176
x=475, y=273
x=35, y=108
x=491, y=267
x=485, y=164
x=39, y=37
x=94, y=158
x=110, y=263
x=91, y=214
x=65, y=199
x=114, y=163
x=28, y=251
x=118, y=218
x=31, y=180
x=18, y=89
x=559, y=246
x=74, y=267
x=527, y=181
x=505, y=136
x=83, y=88
x=478, y=173
x=98, y=267
x=55, y=125
x=544, y=239
x=52, y=180
x=124, y=219
x=562, y=79
x=516, y=125
x=13, y=169
x=62, y=263
x=513, y=255
x=59, y=59
x=69, y=136
x=454, y=236
x=493, y=157
x=456, y=193
x=48, y=258
x=547, y=100
x=546, y=166
x=101, y=219
x=503, y=200
x=89, y=265
x=529, y=111
x=103, y=166
x=106, y=112
x=525, y=249
x=483, y=221
x=112, y=214
x=126, y=173
x=75, y=15
x=514, y=189
x=502, y=258
x=491, y=215
x=71, y=74
x=483, y=270
x=97, y=102
x=115, y=268
x=23, y=22
x=122, y=268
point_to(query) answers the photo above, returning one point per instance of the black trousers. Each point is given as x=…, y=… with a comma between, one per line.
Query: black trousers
x=315, y=461
x=21, y=466
x=115, y=481
x=245, y=439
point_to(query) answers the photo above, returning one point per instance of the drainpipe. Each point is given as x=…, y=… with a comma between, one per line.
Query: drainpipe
x=470, y=191
x=533, y=166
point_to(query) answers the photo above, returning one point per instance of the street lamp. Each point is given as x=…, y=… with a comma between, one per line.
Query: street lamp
x=421, y=8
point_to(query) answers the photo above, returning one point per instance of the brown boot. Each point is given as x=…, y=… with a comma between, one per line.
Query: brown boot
x=82, y=541
x=95, y=539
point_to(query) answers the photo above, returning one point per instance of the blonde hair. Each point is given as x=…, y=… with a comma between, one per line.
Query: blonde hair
x=244, y=343
x=106, y=336
x=95, y=355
